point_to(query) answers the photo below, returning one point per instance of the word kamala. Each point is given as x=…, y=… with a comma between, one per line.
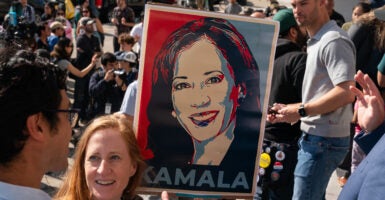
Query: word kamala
x=193, y=179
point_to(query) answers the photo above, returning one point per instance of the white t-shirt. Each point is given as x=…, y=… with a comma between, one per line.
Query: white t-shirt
x=15, y=192
x=137, y=31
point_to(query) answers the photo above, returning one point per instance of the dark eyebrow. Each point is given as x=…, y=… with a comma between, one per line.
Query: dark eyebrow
x=210, y=72
x=179, y=77
x=206, y=73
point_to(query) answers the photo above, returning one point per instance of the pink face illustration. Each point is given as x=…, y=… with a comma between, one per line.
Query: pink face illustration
x=204, y=93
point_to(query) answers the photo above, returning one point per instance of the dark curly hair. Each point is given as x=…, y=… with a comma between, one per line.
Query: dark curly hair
x=29, y=84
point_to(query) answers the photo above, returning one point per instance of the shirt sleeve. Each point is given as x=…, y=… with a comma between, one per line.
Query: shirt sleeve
x=129, y=100
x=367, y=140
x=381, y=65
x=339, y=54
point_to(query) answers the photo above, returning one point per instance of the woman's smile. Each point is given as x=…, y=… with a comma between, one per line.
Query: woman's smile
x=203, y=119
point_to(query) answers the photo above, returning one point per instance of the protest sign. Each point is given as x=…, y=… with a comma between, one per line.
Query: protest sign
x=203, y=85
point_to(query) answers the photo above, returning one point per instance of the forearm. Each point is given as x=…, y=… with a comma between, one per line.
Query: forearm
x=99, y=26
x=86, y=70
x=339, y=96
x=129, y=24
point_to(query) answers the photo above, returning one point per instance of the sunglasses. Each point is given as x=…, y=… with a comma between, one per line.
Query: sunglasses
x=85, y=11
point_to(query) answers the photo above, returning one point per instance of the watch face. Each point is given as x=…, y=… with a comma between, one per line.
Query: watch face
x=301, y=111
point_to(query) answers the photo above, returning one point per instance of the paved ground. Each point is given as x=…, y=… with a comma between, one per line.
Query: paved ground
x=52, y=181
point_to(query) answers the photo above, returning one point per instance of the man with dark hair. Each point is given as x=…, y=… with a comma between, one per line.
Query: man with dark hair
x=35, y=131
x=280, y=141
x=43, y=31
x=107, y=87
x=86, y=45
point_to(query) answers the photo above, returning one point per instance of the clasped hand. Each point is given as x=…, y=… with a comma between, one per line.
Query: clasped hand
x=284, y=113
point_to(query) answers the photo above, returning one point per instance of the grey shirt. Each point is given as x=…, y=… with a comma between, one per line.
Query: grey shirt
x=330, y=61
x=63, y=64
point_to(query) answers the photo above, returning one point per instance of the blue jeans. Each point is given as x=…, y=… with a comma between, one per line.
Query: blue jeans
x=318, y=157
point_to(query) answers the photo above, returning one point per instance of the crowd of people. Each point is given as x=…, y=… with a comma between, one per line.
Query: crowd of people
x=76, y=46
x=319, y=120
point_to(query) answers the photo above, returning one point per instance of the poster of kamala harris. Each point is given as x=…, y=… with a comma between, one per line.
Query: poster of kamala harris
x=202, y=87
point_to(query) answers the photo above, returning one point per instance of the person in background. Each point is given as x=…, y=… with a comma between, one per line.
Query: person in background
x=334, y=15
x=35, y=118
x=126, y=43
x=57, y=31
x=123, y=17
x=233, y=8
x=359, y=9
x=325, y=110
x=129, y=101
x=87, y=45
x=98, y=27
x=61, y=55
x=108, y=163
x=137, y=31
x=106, y=87
x=49, y=12
x=280, y=140
x=24, y=10
x=85, y=3
x=367, y=37
x=43, y=31
x=60, y=17
x=127, y=63
x=273, y=8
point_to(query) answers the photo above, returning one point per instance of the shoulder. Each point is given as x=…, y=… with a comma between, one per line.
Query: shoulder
x=133, y=86
x=63, y=62
x=336, y=37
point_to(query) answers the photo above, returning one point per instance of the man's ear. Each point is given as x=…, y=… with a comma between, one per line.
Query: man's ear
x=293, y=32
x=173, y=113
x=34, y=126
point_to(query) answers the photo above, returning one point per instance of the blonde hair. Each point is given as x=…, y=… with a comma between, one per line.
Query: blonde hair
x=75, y=186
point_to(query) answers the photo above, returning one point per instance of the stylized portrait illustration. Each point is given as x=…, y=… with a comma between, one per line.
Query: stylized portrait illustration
x=202, y=104
x=206, y=70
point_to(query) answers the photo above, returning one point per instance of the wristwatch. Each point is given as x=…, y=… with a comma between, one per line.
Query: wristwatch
x=301, y=110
